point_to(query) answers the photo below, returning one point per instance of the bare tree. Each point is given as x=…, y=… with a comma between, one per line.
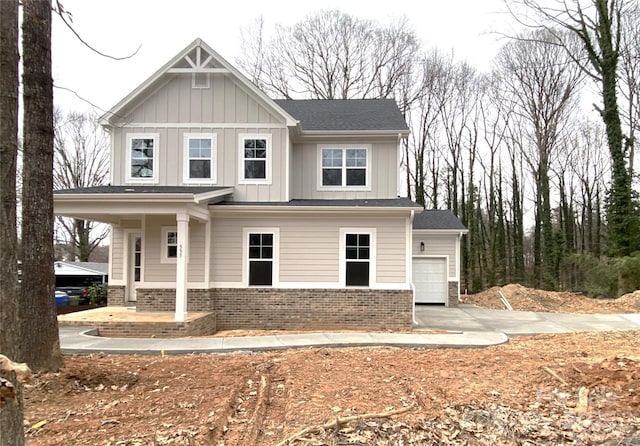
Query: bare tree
x=540, y=80
x=39, y=343
x=329, y=55
x=81, y=160
x=598, y=26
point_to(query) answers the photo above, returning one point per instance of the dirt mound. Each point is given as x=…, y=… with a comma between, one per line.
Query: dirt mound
x=528, y=299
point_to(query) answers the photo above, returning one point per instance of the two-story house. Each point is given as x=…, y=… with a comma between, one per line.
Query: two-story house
x=269, y=213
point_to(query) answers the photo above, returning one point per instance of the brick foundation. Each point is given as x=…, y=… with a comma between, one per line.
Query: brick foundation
x=201, y=326
x=313, y=309
x=292, y=309
x=454, y=297
x=164, y=299
x=115, y=296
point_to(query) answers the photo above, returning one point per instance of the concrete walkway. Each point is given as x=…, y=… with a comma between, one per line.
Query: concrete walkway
x=466, y=327
x=471, y=318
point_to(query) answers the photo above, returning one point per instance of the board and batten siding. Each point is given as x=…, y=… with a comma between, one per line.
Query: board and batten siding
x=305, y=171
x=438, y=245
x=157, y=271
x=170, y=159
x=308, y=247
x=118, y=246
x=225, y=109
x=177, y=101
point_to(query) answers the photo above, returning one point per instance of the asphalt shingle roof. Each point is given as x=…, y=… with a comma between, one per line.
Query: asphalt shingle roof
x=437, y=219
x=141, y=190
x=381, y=202
x=346, y=114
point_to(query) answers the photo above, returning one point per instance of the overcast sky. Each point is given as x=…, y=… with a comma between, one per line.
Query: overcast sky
x=164, y=27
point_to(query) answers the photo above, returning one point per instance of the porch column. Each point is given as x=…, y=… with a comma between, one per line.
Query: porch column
x=181, y=267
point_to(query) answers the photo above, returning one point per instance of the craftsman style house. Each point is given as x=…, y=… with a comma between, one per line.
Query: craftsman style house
x=268, y=214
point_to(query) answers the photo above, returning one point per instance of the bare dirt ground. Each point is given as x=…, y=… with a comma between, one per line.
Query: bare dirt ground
x=542, y=390
x=528, y=299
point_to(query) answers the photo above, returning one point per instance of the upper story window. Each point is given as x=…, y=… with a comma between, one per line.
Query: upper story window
x=344, y=167
x=255, y=162
x=142, y=157
x=200, y=158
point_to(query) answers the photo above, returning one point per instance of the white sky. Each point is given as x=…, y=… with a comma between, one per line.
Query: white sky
x=164, y=27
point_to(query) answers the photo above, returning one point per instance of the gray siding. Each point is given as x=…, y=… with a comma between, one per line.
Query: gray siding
x=383, y=164
x=309, y=246
x=117, y=248
x=154, y=269
x=438, y=245
x=177, y=102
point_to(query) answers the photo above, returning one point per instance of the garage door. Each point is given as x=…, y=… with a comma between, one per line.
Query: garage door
x=430, y=280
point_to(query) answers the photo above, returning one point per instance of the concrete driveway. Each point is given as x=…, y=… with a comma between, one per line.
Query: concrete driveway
x=469, y=318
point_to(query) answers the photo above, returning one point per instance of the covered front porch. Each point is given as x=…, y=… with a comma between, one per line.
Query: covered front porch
x=139, y=255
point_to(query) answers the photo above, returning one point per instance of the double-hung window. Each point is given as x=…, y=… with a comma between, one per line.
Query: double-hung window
x=169, y=244
x=261, y=250
x=344, y=167
x=200, y=158
x=254, y=159
x=142, y=157
x=357, y=259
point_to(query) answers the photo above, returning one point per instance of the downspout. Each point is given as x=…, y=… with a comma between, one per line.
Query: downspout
x=410, y=266
x=399, y=170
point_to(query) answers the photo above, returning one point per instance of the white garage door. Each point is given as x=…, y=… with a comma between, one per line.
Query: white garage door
x=430, y=280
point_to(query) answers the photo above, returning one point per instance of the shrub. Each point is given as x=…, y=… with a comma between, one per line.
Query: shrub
x=98, y=294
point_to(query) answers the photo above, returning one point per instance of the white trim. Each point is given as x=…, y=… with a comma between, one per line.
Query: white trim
x=275, y=281
x=226, y=284
x=156, y=158
x=287, y=167
x=458, y=262
x=198, y=70
x=207, y=251
x=164, y=244
x=409, y=249
x=117, y=282
x=342, y=267
x=207, y=125
x=300, y=285
x=440, y=231
x=172, y=285
x=213, y=137
x=241, y=138
x=126, y=272
x=110, y=264
x=112, y=160
x=399, y=156
x=344, y=187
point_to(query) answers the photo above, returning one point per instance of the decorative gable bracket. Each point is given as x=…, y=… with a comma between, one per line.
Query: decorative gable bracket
x=198, y=61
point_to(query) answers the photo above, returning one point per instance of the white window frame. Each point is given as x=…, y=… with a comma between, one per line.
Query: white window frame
x=156, y=148
x=342, y=272
x=186, y=158
x=164, y=244
x=344, y=148
x=241, y=138
x=275, y=280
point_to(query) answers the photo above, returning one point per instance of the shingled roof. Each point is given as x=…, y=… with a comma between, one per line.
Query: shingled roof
x=346, y=114
x=437, y=219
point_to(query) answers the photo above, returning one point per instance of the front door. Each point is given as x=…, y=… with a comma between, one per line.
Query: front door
x=135, y=265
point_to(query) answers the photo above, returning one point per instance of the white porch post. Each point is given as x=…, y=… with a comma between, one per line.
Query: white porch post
x=181, y=267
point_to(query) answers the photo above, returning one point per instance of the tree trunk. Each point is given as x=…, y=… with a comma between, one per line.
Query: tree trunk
x=11, y=416
x=40, y=346
x=9, y=328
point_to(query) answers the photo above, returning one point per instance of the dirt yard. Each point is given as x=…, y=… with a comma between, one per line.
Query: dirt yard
x=573, y=389
x=528, y=299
